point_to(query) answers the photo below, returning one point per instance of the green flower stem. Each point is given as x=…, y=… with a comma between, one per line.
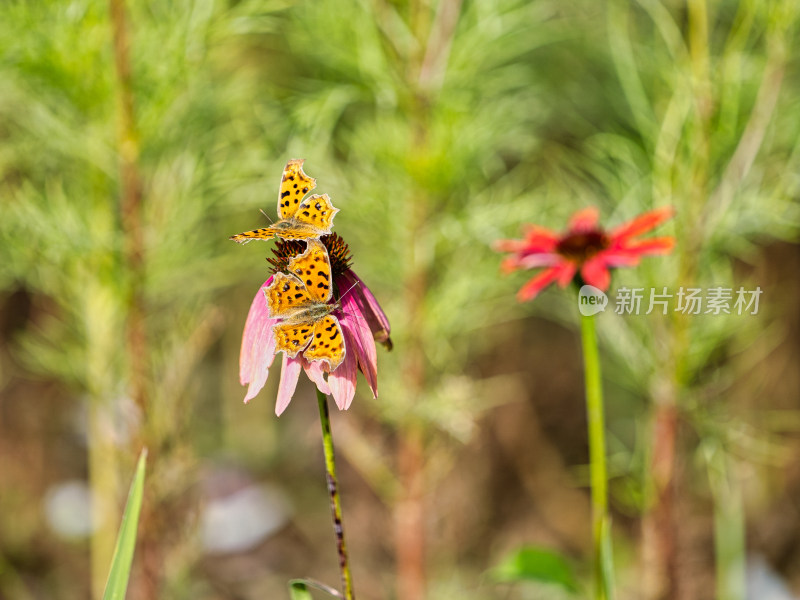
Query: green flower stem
x=601, y=525
x=333, y=490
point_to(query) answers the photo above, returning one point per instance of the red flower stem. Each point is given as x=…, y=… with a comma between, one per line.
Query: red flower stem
x=601, y=524
x=333, y=491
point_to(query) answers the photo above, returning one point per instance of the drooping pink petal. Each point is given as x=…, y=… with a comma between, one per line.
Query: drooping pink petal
x=313, y=369
x=360, y=343
x=367, y=304
x=643, y=223
x=258, y=346
x=595, y=272
x=531, y=289
x=584, y=220
x=342, y=381
x=540, y=259
x=290, y=373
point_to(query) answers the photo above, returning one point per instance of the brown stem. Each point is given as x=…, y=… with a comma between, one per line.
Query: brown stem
x=410, y=509
x=145, y=583
x=659, y=525
x=409, y=518
x=425, y=70
x=130, y=205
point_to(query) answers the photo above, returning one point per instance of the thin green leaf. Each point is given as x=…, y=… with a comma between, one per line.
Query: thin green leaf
x=298, y=589
x=117, y=583
x=536, y=564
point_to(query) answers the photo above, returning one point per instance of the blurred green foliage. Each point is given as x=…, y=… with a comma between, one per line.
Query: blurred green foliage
x=436, y=127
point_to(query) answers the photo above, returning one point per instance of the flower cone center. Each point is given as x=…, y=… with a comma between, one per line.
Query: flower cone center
x=583, y=245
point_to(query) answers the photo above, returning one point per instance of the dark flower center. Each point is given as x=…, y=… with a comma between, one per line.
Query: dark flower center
x=582, y=245
x=338, y=251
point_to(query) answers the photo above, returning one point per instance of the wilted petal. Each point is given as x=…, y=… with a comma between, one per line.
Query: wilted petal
x=315, y=373
x=290, y=373
x=258, y=345
x=360, y=343
x=342, y=381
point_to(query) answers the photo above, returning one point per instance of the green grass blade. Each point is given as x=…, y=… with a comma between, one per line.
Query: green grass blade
x=298, y=589
x=117, y=583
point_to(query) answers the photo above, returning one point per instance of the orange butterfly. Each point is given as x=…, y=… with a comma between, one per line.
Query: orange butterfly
x=300, y=301
x=299, y=219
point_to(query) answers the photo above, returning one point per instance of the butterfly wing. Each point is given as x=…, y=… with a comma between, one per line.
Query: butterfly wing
x=327, y=343
x=294, y=185
x=313, y=268
x=292, y=338
x=265, y=233
x=316, y=212
x=286, y=296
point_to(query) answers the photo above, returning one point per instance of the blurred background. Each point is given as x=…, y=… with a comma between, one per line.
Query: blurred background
x=135, y=137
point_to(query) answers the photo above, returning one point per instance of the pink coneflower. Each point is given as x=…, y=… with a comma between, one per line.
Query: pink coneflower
x=586, y=251
x=361, y=317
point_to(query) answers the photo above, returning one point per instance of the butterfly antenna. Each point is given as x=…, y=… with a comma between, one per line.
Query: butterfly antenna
x=271, y=222
x=348, y=291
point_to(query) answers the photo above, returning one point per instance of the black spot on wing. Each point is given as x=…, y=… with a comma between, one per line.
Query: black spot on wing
x=284, y=194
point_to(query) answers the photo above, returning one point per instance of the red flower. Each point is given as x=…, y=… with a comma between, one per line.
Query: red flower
x=586, y=250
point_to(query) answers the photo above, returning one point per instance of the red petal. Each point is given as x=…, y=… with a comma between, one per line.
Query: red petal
x=595, y=272
x=566, y=273
x=509, y=245
x=661, y=245
x=509, y=265
x=539, y=239
x=530, y=290
x=643, y=223
x=584, y=220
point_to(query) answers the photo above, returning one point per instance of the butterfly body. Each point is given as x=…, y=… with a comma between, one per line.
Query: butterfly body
x=300, y=218
x=301, y=300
